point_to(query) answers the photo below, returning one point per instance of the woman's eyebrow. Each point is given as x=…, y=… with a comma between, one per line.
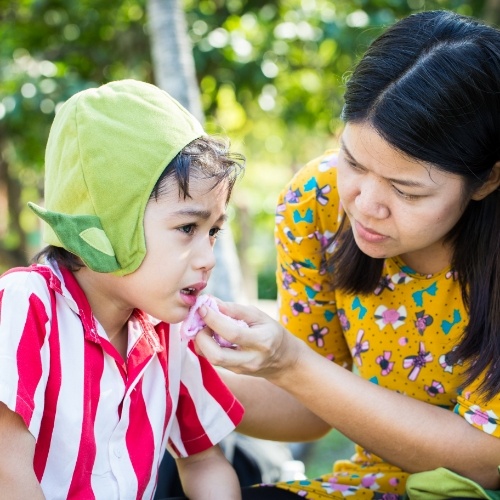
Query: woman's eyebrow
x=347, y=152
x=402, y=182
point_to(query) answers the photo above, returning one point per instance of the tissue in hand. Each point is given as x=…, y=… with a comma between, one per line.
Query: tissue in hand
x=194, y=322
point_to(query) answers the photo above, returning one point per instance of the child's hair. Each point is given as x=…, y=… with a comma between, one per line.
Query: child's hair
x=206, y=157
x=430, y=86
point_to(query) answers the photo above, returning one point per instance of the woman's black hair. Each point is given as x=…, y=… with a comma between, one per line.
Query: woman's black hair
x=430, y=87
x=206, y=158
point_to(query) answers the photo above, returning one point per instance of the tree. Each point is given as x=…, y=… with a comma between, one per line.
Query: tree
x=51, y=49
x=171, y=49
x=175, y=72
x=271, y=76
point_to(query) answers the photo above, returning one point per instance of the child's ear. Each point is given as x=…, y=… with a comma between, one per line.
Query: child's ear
x=492, y=183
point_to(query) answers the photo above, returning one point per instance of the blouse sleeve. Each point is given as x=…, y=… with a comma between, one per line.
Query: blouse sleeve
x=479, y=411
x=308, y=215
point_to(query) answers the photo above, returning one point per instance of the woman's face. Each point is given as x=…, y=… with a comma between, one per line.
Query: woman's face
x=397, y=206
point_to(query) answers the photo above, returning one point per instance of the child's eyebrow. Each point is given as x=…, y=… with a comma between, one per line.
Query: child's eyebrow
x=199, y=214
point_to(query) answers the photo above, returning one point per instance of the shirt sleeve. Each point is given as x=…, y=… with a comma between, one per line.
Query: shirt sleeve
x=207, y=411
x=25, y=306
x=479, y=411
x=308, y=215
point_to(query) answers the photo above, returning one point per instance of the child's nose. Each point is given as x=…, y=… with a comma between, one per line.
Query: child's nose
x=205, y=257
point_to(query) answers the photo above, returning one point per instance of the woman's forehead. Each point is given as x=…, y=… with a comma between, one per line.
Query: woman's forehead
x=363, y=144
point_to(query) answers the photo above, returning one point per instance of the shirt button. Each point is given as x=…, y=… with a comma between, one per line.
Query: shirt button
x=118, y=451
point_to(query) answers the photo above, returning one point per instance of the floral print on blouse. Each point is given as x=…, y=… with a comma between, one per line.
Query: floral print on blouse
x=399, y=337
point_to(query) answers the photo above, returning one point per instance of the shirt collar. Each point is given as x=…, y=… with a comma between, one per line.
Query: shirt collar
x=63, y=282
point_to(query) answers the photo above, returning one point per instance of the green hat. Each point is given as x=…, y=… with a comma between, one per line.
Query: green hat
x=106, y=150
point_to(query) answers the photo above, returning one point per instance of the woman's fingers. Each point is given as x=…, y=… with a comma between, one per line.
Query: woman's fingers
x=251, y=315
x=236, y=359
x=263, y=348
x=225, y=324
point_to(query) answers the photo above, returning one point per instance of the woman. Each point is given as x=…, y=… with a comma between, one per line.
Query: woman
x=389, y=262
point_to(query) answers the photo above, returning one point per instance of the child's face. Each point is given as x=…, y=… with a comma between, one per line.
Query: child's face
x=180, y=236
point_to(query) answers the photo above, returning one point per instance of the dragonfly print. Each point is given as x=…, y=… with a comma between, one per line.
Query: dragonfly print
x=385, y=282
x=416, y=363
x=317, y=334
x=360, y=347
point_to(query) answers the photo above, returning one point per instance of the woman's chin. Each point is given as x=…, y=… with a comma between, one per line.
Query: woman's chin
x=374, y=251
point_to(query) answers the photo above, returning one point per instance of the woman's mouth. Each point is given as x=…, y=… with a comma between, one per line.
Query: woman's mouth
x=369, y=235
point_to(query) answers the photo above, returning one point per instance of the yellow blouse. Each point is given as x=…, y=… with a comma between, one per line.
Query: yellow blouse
x=398, y=337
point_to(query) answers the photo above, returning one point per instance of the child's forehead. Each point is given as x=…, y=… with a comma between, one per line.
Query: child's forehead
x=206, y=203
x=198, y=188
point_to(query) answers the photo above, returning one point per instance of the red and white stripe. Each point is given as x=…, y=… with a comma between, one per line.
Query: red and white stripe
x=101, y=425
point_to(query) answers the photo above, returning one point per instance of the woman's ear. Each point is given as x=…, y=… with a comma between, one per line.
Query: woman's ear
x=492, y=183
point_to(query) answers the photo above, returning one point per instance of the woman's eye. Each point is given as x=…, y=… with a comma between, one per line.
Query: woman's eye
x=352, y=164
x=409, y=197
x=188, y=228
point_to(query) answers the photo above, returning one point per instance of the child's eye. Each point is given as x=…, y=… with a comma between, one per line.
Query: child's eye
x=188, y=229
x=214, y=231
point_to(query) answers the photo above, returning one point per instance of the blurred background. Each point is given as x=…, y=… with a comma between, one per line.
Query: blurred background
x=269, y=75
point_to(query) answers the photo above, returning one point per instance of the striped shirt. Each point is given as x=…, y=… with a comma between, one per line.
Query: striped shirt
x=102, y=424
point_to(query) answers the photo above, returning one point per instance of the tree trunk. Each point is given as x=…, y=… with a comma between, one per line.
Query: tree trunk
x=10, y=188
x=175, y=72
x=172, y=56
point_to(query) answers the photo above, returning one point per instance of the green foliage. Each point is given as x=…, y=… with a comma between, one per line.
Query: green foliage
x=271, y=73
x=266, y=284
x=51, y=49
x=272, y=76
x=325, y=451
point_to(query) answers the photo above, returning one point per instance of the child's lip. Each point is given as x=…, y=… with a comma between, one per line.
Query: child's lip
x=190, y=293
x=197, y=287
x=189, y=298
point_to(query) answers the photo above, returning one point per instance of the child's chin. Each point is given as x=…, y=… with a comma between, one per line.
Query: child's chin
x=174, y=317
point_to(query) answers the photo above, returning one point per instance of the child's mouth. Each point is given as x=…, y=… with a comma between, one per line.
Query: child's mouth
x=189, y=295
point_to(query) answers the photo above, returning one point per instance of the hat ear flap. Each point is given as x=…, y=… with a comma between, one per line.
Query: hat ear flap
x=82, y=235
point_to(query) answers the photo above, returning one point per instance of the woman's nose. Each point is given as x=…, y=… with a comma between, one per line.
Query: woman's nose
x=370, y=201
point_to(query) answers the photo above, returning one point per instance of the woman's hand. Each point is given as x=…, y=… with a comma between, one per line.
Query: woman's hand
x=347, y=402
x=264, y=349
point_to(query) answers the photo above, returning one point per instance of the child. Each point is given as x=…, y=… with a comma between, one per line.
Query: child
x=95, y=382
